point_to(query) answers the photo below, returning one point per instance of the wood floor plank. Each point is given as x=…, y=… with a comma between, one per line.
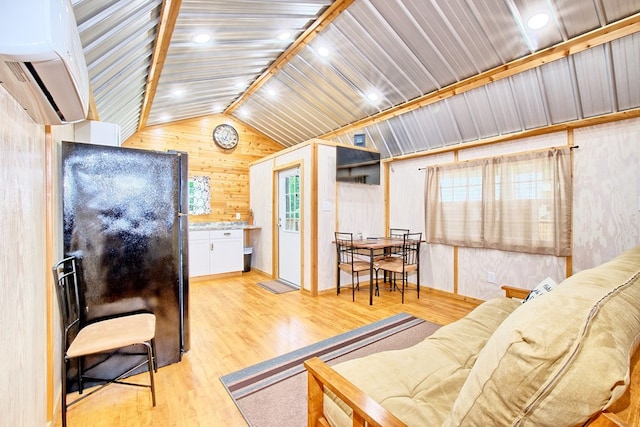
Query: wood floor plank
x=234, y=324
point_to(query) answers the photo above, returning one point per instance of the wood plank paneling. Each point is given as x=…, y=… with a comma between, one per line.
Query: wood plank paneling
x=228, y=170
x=25, y=267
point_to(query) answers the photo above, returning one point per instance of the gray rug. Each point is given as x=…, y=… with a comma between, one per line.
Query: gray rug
x=274, y=393
x=277, y=286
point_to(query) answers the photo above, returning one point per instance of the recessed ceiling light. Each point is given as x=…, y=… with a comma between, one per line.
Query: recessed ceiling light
x=165, y=117
x=178, y=92
x=271, y=92
x=284, y=35
x=202, y=37
x=538, y=20
x=323, y=51
x=372, y=96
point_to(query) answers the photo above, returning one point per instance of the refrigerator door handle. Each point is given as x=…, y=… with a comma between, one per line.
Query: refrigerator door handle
x=212, y=247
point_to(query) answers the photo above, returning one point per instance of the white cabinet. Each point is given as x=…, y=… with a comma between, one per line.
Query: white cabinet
x=199, y=253
x=215, y=252
x=226, y=251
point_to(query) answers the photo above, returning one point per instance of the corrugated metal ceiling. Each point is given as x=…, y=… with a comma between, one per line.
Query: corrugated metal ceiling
x=399, y=50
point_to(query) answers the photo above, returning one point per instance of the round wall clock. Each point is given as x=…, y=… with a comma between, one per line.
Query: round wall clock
x=225, y=136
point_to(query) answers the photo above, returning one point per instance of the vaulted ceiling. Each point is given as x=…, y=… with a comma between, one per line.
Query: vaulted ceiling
x=412, y=75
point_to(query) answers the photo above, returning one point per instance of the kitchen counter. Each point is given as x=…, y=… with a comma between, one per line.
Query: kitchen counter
x=222, y=225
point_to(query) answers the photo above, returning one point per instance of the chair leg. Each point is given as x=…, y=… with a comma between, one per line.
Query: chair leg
x=80, y=380
x=353, y=286
x=154, y=354
x=63, y=380
x=150, y=358
x=377, y=288
x=338, y=281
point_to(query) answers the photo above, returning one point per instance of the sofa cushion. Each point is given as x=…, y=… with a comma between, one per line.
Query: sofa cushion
x=561, y=357
x=418, y=384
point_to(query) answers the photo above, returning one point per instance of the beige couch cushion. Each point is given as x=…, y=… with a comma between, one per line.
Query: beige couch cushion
x=419, y=384
x=560, y=358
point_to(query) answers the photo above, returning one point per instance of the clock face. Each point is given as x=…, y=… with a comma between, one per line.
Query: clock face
x=225, y=136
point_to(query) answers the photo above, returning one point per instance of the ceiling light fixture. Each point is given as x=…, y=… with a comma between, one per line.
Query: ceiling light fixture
x=323, y=51
x=271, y=92
x=538, y=20
x=202, y=38
x=284, y=35
x=372, y=96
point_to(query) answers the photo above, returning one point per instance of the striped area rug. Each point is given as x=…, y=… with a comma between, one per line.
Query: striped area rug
x=273, y=393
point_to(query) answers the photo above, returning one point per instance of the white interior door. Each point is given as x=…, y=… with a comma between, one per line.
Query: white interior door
x=289, y=225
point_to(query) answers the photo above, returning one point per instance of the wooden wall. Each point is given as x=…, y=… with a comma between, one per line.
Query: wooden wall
x=228, y=170
x=25, y=269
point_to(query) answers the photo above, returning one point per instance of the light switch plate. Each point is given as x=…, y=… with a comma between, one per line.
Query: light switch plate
x=237, y=215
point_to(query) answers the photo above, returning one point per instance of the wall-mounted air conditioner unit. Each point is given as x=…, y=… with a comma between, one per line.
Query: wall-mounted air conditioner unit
x=41, y=61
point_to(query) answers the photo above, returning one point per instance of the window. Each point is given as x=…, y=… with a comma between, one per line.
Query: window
x=199, y=195
x=292, y=203
x=518, y=203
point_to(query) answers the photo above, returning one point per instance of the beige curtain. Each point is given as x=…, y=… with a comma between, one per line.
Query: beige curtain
x=518, y=203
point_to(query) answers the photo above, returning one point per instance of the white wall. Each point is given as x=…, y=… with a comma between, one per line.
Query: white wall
x=23, y=263
x=606, y=220
x=606, y=209
x=326, y=215
x=260, y=202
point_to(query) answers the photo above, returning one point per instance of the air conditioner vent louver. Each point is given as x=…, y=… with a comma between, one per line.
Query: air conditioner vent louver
x=17, y=71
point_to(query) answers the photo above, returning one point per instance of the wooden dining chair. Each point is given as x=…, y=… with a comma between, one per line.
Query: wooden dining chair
x=407, y=261
x=348, y=262
x=80, y=339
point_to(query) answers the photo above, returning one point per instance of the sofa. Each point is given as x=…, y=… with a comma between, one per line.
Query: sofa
x=560, y=359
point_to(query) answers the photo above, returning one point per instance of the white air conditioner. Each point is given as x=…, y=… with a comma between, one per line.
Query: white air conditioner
x=41, y=61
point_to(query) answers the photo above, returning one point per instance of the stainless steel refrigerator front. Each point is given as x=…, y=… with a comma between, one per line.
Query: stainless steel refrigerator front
x=122, y=219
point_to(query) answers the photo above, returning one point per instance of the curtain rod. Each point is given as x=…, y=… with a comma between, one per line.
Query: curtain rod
x=570, y=148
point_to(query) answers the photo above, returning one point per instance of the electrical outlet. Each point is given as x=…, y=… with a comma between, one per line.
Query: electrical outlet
x=491, y=277
x=237, y=215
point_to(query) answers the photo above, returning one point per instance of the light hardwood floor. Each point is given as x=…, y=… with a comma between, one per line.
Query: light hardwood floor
x=235, y=324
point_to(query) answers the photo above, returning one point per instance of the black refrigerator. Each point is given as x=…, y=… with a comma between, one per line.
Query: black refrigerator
x=125, y=219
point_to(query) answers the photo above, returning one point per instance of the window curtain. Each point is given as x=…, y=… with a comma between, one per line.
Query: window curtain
x=523, y=203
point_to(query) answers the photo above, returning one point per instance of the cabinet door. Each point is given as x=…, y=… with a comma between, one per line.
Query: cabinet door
x=227, y=255
x=199, y=253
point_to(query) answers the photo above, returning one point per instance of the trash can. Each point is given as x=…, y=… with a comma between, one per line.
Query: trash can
x=247, y=259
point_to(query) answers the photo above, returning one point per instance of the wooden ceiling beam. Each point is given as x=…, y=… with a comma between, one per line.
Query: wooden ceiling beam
x=92, y=114
x=310, y=33
x=577, y=44
x=168, y=17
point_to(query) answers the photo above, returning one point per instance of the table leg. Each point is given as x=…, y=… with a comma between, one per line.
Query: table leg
x=370, y=276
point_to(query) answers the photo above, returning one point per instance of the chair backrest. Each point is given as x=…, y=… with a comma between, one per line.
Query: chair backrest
x=411, y=248
x=344, y=246
x=398, y=232
x=65, y=277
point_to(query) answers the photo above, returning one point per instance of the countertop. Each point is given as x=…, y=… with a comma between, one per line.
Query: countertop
x=222, y=225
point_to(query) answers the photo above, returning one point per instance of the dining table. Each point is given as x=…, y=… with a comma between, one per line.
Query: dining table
x=372, y=247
